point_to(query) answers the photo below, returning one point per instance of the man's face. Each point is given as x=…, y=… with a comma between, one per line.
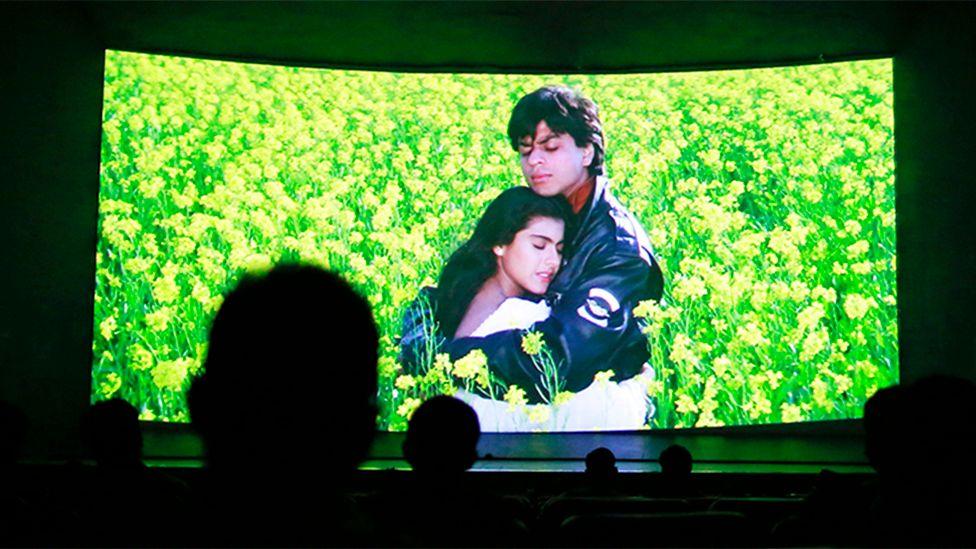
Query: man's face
x=552, y=163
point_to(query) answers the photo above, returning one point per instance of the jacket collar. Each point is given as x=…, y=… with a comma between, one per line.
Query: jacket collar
x=602, y=183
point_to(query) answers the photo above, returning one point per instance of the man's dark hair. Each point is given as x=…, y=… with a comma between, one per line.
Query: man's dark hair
x=565, y=111
x=442, y=437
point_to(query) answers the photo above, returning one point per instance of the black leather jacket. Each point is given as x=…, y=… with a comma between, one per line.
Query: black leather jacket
x=609, y=267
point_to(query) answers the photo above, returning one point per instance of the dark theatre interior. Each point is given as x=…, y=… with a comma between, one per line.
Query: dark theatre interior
x=901, y=477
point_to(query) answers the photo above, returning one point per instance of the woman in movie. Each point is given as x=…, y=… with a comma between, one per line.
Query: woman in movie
x=497, y=281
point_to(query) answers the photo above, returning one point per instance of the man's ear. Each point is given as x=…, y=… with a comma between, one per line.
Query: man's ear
x=588, y=155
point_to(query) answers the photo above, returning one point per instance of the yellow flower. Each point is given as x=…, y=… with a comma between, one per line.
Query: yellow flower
x=515, y=397
x=681, y=350
x=820, y=390
x=655, y=387
x=563, y=397
x=810, y=316
x=866, y=369
x=532, y=343
x=442, y=362
x=852, y=227
x=107, y=328
x=751, y=335
x=815, y=342
x=759, y=405
x=856, y=306
x=184, y=247
x=791, y=413
x=689, y=288
x=405, y=382
x=708, y=419
x=201, y=293
x=685, y=405
x=111, y=383
x=159, y=320
x=470, y=364
x=604, y=376
x=408, y=407
x=257, y=263
x=139, y=358
x=721, y=365
x=136, y=265
x=170, y=374
x=827, y=294
x=857, y=249
x=165, y=289
x=539, y=413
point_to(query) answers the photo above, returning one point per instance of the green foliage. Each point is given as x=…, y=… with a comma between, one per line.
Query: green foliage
x=768, y=195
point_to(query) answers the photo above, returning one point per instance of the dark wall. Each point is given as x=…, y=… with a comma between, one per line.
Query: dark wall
x=519, y=36
x=935, y=163
x=50, y=89
x=51, y=95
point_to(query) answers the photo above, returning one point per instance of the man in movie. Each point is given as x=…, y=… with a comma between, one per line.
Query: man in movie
x=607, y=263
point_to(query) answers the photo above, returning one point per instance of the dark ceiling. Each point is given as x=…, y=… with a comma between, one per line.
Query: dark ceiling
x=508, y=36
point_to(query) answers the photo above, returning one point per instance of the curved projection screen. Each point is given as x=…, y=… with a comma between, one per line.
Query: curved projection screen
x=768, y=196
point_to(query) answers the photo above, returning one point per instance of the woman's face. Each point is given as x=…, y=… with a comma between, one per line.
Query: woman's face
x=532, y=259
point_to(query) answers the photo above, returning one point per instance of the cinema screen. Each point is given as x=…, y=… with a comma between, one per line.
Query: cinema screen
x=728, y=258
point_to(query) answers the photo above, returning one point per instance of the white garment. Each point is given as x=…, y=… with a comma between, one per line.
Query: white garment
x=514, y=313
x=603, y=406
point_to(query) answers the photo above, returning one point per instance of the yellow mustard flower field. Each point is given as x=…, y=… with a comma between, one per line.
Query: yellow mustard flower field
x=768, y=195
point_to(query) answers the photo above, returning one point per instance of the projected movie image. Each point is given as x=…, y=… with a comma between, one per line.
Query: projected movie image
x=562, y=252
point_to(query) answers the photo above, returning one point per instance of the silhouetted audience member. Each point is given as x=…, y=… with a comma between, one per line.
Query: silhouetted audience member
x=675, y=461
x=286, y=411
x=599, y=479
x=918, y=438
x=111, y=434
x=601, y=464
x=675, y=479
x=120, y=485
x=884, y=429
x=442, y=437
x=921, y=443
x=441, y=507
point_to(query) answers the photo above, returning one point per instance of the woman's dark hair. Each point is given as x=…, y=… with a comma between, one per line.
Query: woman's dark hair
x=474, y=262
x=565, y=111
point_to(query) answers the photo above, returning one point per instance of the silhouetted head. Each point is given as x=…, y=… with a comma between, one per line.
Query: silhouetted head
x=442, y=437
x=290, y=379
x=675, y=461
x=520, y=237
x=884, y=424
x=940, y=413
x=601, y=463
x=110, y=430
x=13, y=432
